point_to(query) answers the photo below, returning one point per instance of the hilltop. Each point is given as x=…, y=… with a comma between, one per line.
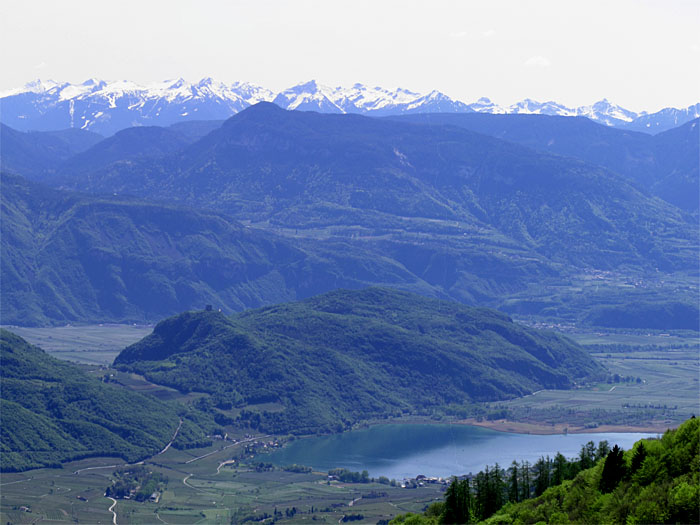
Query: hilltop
x=330, y=361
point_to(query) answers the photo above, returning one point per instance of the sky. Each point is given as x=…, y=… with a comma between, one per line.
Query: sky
x=642, y=54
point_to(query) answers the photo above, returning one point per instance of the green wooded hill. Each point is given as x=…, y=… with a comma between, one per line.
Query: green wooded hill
x=125, y=146
x=52, y=411
x=333, y=360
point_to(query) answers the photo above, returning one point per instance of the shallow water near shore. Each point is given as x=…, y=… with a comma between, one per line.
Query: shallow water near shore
x=406, y=450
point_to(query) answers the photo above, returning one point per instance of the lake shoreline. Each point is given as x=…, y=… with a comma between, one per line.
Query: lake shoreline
x=523, y=427
x=438, y=449
x=543, y=429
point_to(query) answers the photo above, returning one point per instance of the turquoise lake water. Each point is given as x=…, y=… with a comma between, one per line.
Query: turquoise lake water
x=407, y=450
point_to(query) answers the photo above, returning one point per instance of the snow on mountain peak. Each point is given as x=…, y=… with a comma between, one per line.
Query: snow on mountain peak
x=35, y=86
x=107, y=106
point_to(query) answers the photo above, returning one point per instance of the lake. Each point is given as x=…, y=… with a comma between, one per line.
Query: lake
x=406, y=450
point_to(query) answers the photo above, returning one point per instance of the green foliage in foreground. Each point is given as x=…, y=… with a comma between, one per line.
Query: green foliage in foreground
x=658, y=481
x=52, y=412
x=347, y=356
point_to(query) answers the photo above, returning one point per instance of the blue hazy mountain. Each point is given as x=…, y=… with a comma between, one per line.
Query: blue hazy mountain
x=306, y=170
x=348, y=201
x=666, y=164
x=38, y=154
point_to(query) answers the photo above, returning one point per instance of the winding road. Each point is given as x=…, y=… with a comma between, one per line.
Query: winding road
x=140, y=462
x=111, y=509
x=224, y=448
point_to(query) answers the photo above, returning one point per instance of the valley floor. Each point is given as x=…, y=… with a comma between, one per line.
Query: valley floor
x=204, y=486
x=656, y=389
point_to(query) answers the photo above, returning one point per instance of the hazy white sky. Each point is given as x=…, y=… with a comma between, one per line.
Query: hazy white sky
x=641, y=54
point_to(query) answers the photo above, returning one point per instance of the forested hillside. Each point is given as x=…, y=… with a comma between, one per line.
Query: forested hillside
x=657, y=481
x=304, y=170
x=39, y=154
x=665, y=165
x=53, y=412
x=347, y=201
x=347, y=356
x=71, y=257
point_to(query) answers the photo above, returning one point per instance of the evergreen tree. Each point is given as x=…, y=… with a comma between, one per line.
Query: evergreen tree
x=542, y=468
x=640, y=454
x=602, y=450
x=613, y=470
x=513, y=488
x=559, y=469
x=496, y=488
x=587, y=455
x=525, y=468
x=481, y=493
x=458, y=502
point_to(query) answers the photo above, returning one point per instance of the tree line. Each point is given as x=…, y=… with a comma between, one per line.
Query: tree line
x=657, y=481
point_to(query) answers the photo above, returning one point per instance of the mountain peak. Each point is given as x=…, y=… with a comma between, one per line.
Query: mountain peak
x=258, y=109
x=108, y=106
x=310, y=85
x=177, y=83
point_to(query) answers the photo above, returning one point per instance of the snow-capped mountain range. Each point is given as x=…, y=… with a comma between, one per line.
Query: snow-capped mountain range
x=107, y=107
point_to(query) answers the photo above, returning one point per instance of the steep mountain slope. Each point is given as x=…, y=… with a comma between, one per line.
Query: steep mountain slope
x=305, y=170
x=677, y=150
x=38, y=154
x=52, y=412
x=665, y=164
x=68, y=257
x=194, y=130
x=129, y=144
x=346, y=356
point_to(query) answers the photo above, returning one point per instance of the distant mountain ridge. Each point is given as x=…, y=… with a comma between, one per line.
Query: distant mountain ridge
x=305, y=170
x=665, y=164
x=436, y=209
x=107, y=107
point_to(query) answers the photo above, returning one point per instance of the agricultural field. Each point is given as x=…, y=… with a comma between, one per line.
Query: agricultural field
x=87, y=344
x=654, y=384
x=202, y=488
